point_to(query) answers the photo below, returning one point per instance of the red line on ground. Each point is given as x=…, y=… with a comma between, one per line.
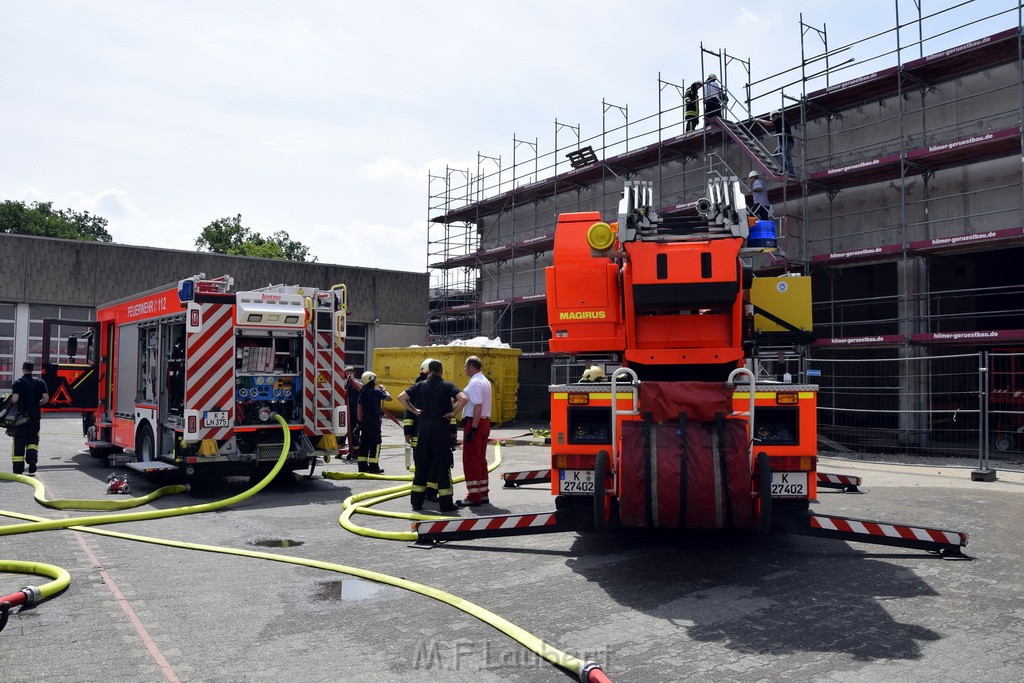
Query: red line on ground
x=151, y=646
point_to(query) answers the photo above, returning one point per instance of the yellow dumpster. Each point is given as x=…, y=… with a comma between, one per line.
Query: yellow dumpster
x=397, y=368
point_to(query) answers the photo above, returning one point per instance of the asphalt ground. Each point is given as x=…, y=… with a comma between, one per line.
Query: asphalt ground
x=647, y=606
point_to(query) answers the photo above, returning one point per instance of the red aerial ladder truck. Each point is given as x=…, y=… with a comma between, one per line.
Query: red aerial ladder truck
x=188, y=376
x=667, y=427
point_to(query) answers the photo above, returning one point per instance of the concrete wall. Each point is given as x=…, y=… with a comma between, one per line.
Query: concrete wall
x=52, y=271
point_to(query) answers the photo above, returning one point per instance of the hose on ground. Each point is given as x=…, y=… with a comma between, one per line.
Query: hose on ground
x=96, y=520
x=98, y=504
x=30, y=596
x=588, y=672
x=362, y=503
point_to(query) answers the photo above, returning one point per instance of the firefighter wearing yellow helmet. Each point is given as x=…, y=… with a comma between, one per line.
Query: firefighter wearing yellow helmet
x=369, y=413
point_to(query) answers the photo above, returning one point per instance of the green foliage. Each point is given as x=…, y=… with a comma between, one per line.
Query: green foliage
x=42, y=220
x=229, y=236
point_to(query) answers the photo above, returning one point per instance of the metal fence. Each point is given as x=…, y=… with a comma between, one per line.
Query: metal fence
x=933, y=404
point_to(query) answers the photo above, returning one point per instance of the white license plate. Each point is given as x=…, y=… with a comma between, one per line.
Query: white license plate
x=580, y=482
x=215, y=419
x=789, y=484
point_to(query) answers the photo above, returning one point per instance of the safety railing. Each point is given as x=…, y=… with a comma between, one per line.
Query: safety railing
x=959, y=404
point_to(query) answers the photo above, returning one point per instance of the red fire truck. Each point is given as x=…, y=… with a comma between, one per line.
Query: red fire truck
x=189, y=376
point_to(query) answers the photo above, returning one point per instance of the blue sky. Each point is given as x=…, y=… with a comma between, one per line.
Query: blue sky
x=324, y=118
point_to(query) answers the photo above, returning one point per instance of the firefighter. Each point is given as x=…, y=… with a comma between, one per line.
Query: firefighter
x=369, y=413
x=692, y=105
x=28, y=393
x=352, y=389
x=431, y=402
x=410, y=427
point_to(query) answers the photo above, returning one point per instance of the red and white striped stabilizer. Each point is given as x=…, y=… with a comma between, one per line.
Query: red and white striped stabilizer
x=838, y=481
x=486, y=527
x=886, y=533
x=514, y=479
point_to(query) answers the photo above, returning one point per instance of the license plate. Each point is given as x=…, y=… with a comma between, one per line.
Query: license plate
x=215, y=419
x=789, y=484
x=580, y=482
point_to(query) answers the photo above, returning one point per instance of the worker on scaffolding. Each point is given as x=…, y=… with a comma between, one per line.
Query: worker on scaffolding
x=714, y=98
x=761, y=206
x=782, y=129
x=691, y=110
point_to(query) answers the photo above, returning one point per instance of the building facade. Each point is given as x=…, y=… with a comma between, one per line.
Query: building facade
x=67, y=279
x=906, y=207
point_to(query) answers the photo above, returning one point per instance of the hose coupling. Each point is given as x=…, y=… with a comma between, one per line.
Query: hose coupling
x=587, y=668
x=32, y=596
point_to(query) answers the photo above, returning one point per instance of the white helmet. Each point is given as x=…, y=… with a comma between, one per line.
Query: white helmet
x=777, y=112
x=593, y=374
x=367, y=377
x=712, y=77
x=752, y=174
x=425, y=366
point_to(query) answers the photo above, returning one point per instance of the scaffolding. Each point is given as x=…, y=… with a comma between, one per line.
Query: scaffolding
x=908, y=152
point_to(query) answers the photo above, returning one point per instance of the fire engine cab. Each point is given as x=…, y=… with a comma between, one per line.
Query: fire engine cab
x=189, y=376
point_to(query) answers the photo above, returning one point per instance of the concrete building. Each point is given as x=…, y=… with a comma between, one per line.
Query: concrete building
x=906, y=207
x=53, y=278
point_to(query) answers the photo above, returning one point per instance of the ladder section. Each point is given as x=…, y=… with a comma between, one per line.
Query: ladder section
x=744, y=137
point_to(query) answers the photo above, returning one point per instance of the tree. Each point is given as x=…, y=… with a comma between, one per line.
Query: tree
x=229, y=236
x=42, y=220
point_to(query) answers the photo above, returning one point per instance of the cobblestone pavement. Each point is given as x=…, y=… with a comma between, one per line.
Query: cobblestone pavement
x=647, y=606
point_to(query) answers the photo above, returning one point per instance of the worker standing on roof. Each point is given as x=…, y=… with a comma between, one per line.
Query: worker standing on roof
x=784, y=132
x=761, y=205
x=692, y=106
x=369, y=412
x=714, y=98
x=476, y=426
x=432, y=402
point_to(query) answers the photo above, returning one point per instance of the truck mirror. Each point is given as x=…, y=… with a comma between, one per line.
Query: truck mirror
x=72, y=348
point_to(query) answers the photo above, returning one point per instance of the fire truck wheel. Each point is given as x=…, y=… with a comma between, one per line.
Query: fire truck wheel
x=144, y=445
x=764, y=493
x=600, y=499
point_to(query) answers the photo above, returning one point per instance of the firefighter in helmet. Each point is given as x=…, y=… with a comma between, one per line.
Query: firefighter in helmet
x=371, y=396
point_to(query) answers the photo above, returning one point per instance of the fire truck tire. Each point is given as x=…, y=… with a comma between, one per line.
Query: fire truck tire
x=600, y=497
x=764, y=493
x=145, y=445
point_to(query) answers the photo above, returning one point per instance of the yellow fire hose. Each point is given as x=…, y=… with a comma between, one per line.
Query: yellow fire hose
x=98, y=504
x=586, y=671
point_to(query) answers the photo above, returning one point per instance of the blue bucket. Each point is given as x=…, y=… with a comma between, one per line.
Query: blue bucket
x=762, y=234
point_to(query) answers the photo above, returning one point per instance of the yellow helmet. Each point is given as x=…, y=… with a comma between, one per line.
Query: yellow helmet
x=425, y=366
x=593, y=374
x=367, y=377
